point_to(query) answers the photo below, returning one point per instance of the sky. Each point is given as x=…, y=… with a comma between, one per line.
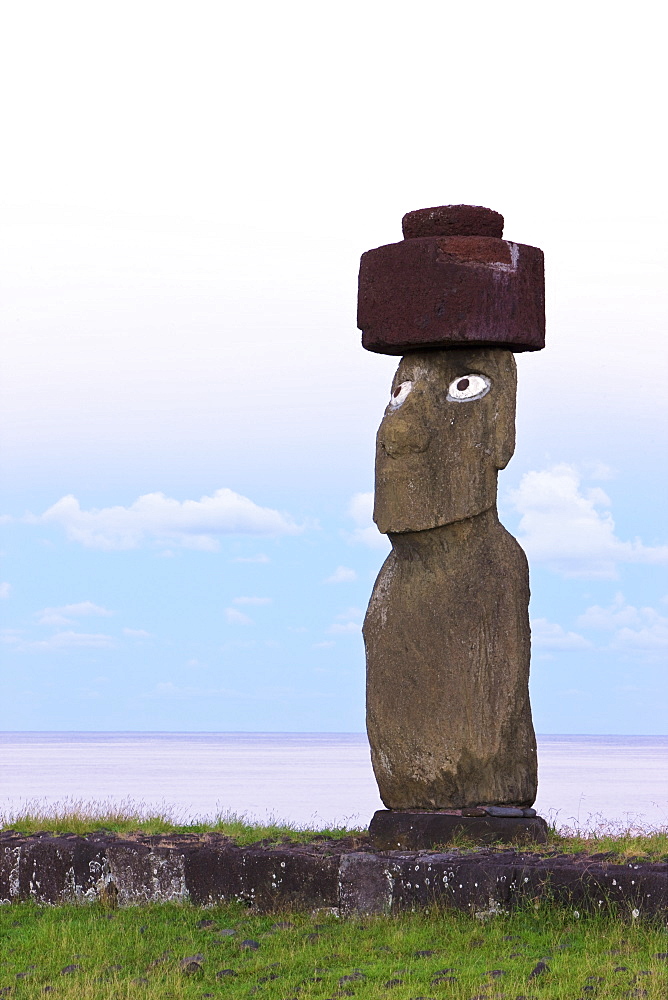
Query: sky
x=187, y=416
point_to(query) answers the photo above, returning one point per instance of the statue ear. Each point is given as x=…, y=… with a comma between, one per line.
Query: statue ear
x=506, y=397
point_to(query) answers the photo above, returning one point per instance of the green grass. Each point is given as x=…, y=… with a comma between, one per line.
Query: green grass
x=138, y=951
x=82, y=817
x=622, y=841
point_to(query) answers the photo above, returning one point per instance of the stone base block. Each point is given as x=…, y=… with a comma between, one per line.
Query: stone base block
x=398, y=830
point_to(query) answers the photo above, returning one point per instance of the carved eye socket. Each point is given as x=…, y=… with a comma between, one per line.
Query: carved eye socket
x=468, y=387
x=399, y=394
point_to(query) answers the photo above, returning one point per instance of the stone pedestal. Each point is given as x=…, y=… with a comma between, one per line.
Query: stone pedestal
x=395, y=830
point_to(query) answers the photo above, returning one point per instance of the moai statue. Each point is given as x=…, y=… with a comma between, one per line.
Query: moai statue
x=447, y=629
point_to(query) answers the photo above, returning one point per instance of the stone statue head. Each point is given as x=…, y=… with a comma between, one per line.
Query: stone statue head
x=447, y=430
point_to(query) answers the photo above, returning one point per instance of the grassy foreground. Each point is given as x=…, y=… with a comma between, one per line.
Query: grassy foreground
x=622, y=841
x=180, y=951
x=173, y=951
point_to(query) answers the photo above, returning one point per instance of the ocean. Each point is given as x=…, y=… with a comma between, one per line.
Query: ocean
x=310, y=778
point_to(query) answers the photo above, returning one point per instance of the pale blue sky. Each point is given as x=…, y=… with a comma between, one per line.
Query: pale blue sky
x=184, y=212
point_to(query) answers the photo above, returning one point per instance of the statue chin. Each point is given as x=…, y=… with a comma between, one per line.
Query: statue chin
x=423, y=517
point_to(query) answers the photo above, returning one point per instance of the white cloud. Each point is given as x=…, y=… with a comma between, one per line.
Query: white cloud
x=349, y=622
x=617, y=615
x=549, y=635
x=11, y=636
x=327, y=644
x=651, y=639
x=252, y=600
x=567, y=528
x=599, y=470
x=235, y=617
x=259, y=558
x=344, y=628
x=5, y=590
x=356, y=614
x=66, y=614
x=360, y=509
x=47, y=618
x=68, y=640
x=642, y=631
x=342, y=574
x=137, y=633
x=168, y=689
x=191, y=524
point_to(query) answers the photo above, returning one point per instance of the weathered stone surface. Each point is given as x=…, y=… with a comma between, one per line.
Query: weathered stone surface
x=399, y=830
x=192, y=963
x=283, y=879
x=146, y=873
x=437, y=457
x=210, y=872
x=496, y=881
x=447, y=629
x=451, y=291
x=452, y=220
x=507, y=811
x=53, y=869
x=448, y=648
x=343, y=875
x=214, y=872
x=424, y=880
x=590, y=886
x=365, y=886
x=10, y=858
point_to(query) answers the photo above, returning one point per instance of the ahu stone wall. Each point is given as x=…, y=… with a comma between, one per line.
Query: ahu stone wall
x=347, y=877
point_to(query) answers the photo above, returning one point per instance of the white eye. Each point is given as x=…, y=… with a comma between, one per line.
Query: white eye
x=468, y=387
x=399, y=394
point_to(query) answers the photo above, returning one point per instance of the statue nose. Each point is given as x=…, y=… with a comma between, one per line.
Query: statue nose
x=401, y=437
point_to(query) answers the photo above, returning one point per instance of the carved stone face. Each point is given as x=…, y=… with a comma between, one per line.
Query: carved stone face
x=448, y=429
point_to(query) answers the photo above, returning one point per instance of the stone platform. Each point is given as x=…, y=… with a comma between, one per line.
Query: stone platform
x=419, y=830
x=347, y=877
